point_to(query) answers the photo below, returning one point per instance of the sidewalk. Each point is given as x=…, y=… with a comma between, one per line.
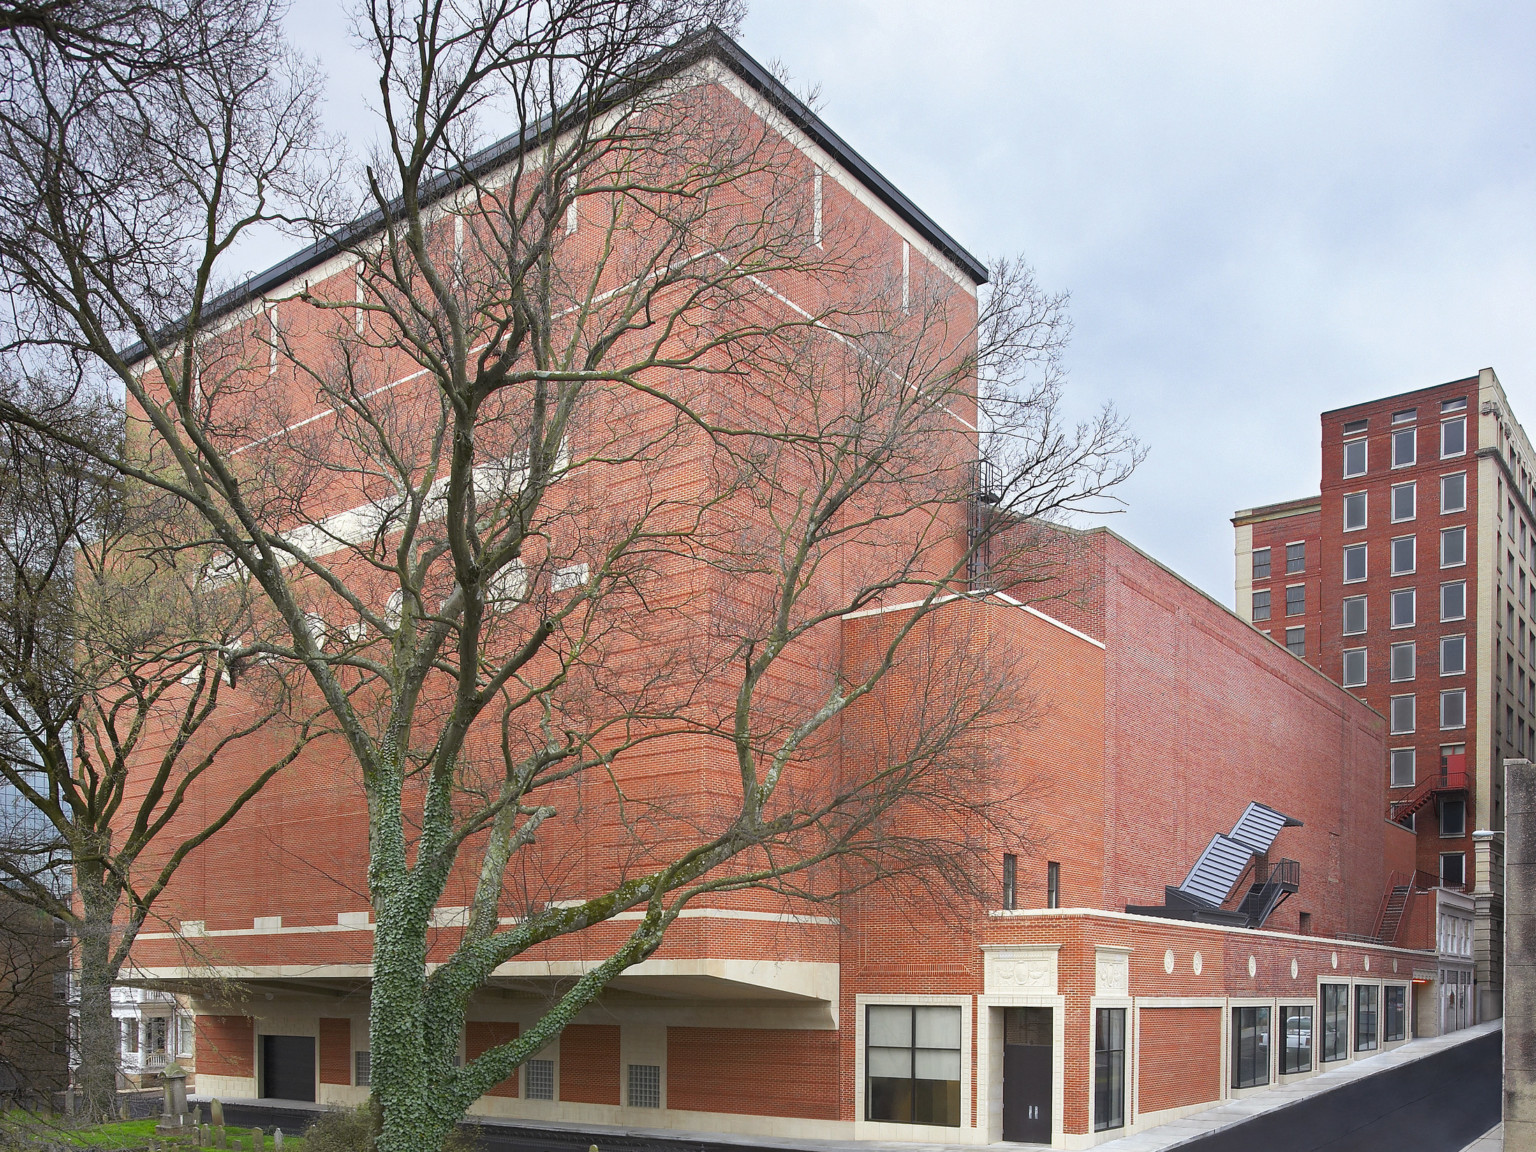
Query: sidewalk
x=1490, y=1141
x=1178, y=1132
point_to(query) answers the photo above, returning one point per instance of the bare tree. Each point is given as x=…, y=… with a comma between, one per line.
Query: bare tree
x=122, y=683
x=583, y=457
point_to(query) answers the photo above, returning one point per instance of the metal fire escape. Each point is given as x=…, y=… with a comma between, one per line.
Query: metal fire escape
x=1209, y=886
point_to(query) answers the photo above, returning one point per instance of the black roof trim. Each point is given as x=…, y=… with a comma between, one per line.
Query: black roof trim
x=711, y=43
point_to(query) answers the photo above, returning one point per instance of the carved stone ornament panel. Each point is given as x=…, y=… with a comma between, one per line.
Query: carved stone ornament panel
x=1112, y=972
x=1015, y=971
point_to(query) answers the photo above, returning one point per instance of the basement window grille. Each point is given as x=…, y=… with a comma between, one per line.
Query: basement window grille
x=541, y=1079
x=645, y=1086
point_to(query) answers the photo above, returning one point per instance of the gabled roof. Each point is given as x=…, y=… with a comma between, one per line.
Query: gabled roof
x=711, y=44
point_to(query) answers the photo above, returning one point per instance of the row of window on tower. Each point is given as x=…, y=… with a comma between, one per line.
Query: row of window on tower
x=1404, y=437
x=1403, y=502
x=1403, y=661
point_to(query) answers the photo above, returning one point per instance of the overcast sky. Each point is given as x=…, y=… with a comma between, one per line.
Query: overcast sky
x=1261, y=211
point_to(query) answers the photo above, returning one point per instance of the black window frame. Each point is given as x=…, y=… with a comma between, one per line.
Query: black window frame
x=1052, y=884
x=1334, y=999
x=1367, y=1017
x=1251, y=1045
x=1109, y=1069
x=1394, y=1013
x=1303, y=1015
x=1010, y=881
x=914, y=1097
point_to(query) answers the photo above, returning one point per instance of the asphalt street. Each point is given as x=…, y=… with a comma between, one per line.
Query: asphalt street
x=1438, y=1104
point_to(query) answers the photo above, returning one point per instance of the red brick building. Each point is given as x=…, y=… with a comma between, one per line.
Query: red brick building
x=1416, y=594
x=1156, y=721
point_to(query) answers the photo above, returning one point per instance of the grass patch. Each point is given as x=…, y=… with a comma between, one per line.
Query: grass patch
x=21, y=1132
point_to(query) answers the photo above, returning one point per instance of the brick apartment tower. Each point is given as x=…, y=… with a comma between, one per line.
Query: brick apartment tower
x=1411, y=581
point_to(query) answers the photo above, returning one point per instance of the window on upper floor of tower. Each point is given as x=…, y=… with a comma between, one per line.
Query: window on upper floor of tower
x=1453, y=600
x=1453, y=492
x=1296, y=641
x=1403, y=768
x=1404, y=501
x=1453, y=708
x=1453, y=655
x=1405, y=447
x=1401, y=714
x=1354, y=615
x=1261, y=563
x=1453, y=547
x=1261, y=605
x=1354, y=458
x=1296, y=600
x=1404, y=608
x=1453, y=437
x=1354, y=667
x=1296, y=557
x=1402, y=662
x=1404, y=555
x=1354, y=511
x=1354, y=563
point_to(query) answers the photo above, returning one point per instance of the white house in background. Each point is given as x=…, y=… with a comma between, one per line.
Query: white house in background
x=153, y=1028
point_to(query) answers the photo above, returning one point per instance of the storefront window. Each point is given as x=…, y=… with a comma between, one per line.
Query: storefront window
x=1394, y=1012
x=1250, y=1047
x=1365, y=1017
x=1335, y=1022
x=1296, y=1024
x=1109, y=1069
x=912, y=1061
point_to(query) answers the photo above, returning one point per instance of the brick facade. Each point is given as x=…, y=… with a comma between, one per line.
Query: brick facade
x=1180, y=1062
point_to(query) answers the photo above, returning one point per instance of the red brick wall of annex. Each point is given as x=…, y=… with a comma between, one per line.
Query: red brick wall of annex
x=226, y=1046
x=335, y=1051
x=1180, y=1057
x=482, y=1035
x=1203, y=715
x=757, y=1071
x=589, y=1063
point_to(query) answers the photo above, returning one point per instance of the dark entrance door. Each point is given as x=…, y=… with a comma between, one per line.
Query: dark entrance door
x=1027, y=1039
x=288, y=1067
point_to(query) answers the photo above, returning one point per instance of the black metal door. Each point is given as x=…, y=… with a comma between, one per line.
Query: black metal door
x=1027, y=1050
x=288, y=1067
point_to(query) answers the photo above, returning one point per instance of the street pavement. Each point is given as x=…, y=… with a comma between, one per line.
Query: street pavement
x=1441, y=1103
